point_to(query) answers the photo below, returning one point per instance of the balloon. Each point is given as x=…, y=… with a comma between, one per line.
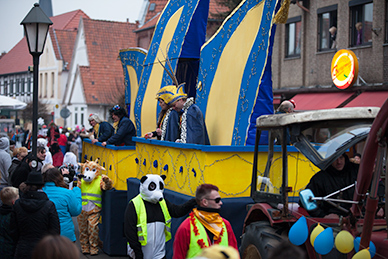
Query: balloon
x=316, y=231
x=363, y=254
x=324, y=241
x=299, y=232
x=372, y=247
x=344, y=242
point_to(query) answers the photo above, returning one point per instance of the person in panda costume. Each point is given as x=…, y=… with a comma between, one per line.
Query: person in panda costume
x=147, y=221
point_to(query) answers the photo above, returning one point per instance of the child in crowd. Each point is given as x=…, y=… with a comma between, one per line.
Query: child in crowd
x=8, y=196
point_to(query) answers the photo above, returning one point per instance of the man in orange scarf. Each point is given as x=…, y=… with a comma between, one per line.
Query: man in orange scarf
x=204, y=227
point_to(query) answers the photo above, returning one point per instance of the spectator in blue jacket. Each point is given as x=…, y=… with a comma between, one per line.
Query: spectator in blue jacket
x=102, y=129
x=67, y=202
x=124, y=129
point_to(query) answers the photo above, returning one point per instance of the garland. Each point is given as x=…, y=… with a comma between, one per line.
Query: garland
x=186, y=106
x=164, y=123
x=201, y=242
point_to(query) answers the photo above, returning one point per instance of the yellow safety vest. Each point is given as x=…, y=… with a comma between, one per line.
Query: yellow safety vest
x=194, y=247
x=91, y=191
x=142, y=219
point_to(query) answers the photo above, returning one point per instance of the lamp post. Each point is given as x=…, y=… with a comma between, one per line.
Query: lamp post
x=36, y=25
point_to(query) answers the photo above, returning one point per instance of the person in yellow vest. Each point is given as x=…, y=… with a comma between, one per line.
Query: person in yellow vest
x=147, y=220
x=204, y=227
x=92, y=184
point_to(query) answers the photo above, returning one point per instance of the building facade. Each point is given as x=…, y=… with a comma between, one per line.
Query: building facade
x=305, y=46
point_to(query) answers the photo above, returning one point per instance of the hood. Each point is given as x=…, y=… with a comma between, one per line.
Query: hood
x=33, y=201
x=5, y=209
x=4, y=143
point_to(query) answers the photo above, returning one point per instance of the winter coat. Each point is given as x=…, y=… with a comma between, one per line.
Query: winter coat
x=34, y=217
x=68, y=204
x=330, y=180
x=5, y=163
x=125, y=131
x=12, y=168
x=20, y=174
x=7, y=247
x=105, y=131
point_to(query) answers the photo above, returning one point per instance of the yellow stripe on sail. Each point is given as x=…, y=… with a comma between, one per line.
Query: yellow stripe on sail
x=227, y=80
x=134, y=88
x=148, y=109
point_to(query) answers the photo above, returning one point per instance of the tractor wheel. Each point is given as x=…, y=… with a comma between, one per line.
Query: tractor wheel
x=259, y=239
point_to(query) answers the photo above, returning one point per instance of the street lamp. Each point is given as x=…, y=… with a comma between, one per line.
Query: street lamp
x=36, y=25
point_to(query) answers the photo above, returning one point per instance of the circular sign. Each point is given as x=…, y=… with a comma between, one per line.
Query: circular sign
x=344, y=69
x=65, y=113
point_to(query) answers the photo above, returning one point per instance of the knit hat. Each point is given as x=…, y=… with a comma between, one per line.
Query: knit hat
x=35, y=178
x=166, y=93
x=4, y=143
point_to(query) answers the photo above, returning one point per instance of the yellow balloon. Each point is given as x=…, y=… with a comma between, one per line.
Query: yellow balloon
x=363, y=254
x=344, y=242
x=316, y=231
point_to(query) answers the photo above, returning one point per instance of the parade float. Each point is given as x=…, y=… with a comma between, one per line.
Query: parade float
x=233, y=88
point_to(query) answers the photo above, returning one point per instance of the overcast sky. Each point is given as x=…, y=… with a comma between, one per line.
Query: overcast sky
x=12, y=12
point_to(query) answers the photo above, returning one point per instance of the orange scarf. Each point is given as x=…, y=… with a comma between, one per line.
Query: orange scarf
x=210, y=220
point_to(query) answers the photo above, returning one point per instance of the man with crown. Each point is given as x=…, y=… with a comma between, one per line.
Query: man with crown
x=192, y=124
x=168, y=119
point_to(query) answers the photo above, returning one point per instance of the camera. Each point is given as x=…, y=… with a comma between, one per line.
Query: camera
x=68, y=177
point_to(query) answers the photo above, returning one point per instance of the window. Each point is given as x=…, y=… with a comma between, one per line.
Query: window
x=75, y=118
x=52, y=84
x=361, y=22
x=45, y=85
x=152, y=7
x=29, y=86
x=17, y=87
x=293, y=37
x=11, y=87
x=386, y=21
x=22, y=89
x=5, y=87
x=82, y=119
x=40, y=85
x=327, y=27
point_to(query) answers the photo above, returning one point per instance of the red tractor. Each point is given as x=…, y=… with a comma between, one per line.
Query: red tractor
x=321, y=136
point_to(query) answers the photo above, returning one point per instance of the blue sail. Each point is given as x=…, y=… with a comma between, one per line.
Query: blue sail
x=234, y=82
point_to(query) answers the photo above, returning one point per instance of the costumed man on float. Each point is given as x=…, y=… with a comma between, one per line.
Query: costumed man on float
x=192, y=129
x=204, y=227
x=168, y=119
x=92, y=184
x=147, y=220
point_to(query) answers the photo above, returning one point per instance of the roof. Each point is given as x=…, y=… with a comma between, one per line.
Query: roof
x=63, y=33
x=215, y=8
x=153, y=16
x=278, y=120
x=68, y=21
x=103, y=80
x=63, y=44
x=18, y=58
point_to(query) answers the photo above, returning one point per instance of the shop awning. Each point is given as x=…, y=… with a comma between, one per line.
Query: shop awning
x=319, y=101
x=369, y=99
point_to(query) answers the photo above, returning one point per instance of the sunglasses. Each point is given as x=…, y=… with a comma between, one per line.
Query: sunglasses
x=216, y=200
x=117, y=107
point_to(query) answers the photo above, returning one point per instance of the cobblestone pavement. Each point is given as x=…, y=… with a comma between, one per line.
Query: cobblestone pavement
x=101, y=254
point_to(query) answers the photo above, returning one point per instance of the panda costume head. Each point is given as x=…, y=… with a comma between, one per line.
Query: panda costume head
x=152, y=187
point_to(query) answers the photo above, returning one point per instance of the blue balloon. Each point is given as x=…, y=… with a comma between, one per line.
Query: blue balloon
x=324, y=242
x=299, y=232
x=372, y=247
